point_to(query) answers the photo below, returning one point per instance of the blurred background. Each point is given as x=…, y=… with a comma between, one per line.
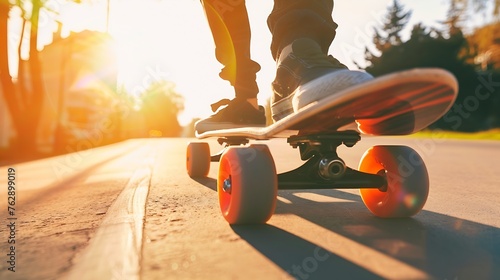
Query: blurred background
x=80, y=74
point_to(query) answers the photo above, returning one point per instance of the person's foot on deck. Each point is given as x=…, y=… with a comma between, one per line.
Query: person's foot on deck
x=237, y=113
x=305, y=74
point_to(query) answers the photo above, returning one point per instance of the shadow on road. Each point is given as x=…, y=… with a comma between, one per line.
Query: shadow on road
x=32, y=196
x=208, y=182
x=443, y=246
x=298, y=257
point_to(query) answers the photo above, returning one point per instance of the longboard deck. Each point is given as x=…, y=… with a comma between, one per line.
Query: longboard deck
x=396, y=104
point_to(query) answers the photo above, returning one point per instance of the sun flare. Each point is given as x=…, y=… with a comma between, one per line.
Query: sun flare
x=171, y=40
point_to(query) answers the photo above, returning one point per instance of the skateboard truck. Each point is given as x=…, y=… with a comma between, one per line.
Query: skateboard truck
x=227, y=142
x=324, y=169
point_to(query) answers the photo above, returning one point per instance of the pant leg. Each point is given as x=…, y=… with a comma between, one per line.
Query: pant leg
x=292, y=19
x=228, y=20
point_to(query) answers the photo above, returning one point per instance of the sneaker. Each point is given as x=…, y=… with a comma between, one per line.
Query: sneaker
x=305, y=75
x=236, y=113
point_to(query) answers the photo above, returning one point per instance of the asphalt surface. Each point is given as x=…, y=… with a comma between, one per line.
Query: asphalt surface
x=130, y=211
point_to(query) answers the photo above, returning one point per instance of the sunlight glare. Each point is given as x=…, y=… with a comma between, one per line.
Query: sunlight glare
x=168, y=40
x=171, y=40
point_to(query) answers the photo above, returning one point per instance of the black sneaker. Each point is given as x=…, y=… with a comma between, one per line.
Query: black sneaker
x=237, y=113
x=305, y=74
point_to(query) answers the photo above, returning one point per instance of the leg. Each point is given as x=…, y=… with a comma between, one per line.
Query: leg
x=303, y=31
x=228, y=21
x=293, y=19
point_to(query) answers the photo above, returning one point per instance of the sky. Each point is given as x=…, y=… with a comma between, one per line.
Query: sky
x=170, y=40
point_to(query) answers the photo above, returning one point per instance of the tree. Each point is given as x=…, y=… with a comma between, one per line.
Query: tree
x=24, y=98
x=24, y=112
x=425, y=48
x=8, y=88
x=486, y=43
x=455, y=18
x=24, y=103
x=448, y=50
x=479, y=5
x=161, y=105
x=389, y=34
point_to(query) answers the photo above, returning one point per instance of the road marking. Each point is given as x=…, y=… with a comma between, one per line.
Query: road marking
x=115, y=250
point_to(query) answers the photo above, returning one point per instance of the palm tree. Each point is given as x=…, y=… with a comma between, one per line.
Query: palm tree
x=24, y=111
x=8, y=88
x=24, y=102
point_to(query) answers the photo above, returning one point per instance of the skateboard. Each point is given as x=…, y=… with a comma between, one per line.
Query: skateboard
x=393, y=180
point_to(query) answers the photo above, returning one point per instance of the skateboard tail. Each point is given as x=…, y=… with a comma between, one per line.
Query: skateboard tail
x=410, y=115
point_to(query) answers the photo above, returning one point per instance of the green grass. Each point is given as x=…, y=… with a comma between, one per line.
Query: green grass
x=493, y=134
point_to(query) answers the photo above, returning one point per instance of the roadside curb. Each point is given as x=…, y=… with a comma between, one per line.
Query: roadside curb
x=115, y=250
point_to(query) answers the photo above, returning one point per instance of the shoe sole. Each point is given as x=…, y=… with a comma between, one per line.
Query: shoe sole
x=318, y=89
x=212, y=126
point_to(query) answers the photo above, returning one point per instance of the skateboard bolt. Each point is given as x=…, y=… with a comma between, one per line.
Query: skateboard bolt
x=331, y=168
x=383, y=173
x=226, y=186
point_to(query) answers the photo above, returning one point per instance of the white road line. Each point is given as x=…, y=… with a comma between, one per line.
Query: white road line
x=115, y=250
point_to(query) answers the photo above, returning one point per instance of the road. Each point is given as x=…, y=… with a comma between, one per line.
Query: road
x=129, y=211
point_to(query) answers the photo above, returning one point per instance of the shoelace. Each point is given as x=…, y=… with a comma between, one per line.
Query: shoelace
x=218, y=104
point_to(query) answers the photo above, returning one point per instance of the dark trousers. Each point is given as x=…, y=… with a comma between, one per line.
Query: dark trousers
x=289, y=20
